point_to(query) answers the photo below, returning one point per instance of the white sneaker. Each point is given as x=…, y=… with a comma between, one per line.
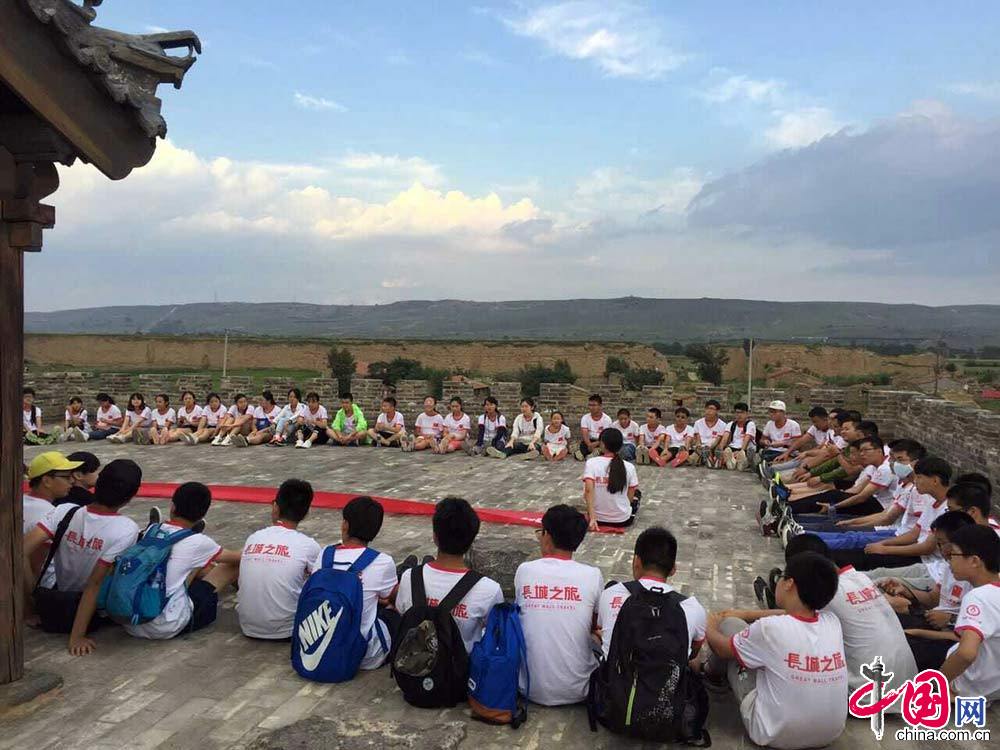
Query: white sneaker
x=227, y=441
x=307, y=443
x=82, y=436
x=495, y=452
x=298, y=443
x=217, y=440
x=240, y=441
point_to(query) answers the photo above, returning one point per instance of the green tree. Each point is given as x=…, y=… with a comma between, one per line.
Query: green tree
x=342, y=366
x=532, y=376
x=614, y=365
x=709, y=361
x=637, y=377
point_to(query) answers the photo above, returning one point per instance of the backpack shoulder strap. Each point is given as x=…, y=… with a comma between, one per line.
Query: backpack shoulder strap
x=178, y=536
x=459, y=590
x=417, y=592
x=328, y=555
x=634, y=587
x=56, y=539
x=366, y=558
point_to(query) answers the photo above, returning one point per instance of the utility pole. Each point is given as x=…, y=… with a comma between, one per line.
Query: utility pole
x=748, y=349
x=225, y=353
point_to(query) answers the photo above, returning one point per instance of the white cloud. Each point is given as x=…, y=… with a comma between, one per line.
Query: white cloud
x=398, y=283
x=317, y=103
x=988, y=90
x=610, y=191
x=740, y=87
x=622, y=39
x=391, y=169
x=151, y=29
x=800, y=127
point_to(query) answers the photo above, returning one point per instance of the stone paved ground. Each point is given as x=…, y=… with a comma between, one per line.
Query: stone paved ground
x=217, y=689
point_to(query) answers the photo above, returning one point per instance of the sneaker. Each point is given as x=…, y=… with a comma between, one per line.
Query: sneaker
x=742, y=463
x=307, y=444
x=641, y=455
x=299, y=443
x=82, y=436
x=531, y=455
x=729, y=459
x=495, y=452
x=217, y=440
x=240, y=442
x=680, y=459
x=63, y=437
x=792, y=529
x=760, y=591
x=578, y=454
x=406, y=443
x=141, y=437
x=154, y=515
x=469, y=447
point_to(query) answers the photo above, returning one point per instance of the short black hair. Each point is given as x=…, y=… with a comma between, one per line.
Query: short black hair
x=933, y=466
x=27, y=390
x=364, y=518
x=212, y=395
x=624, y=411
x=682, y=410
x=346, y=396
x=566, y=525
x=951, y=521
x=741, y=406
x=981, y=541
x=655, y=412
x=867, y=428
x=102, y=397
x=118, y=483
x=818, y=411
x=657, y=548
x=713, y=402
x=967, y=495
x=88, y=461
x=267, y=396
x=312, y=396
x=595, y=397
x=191, y=501
x=529, y=401
x=874, y=440
x=456, y=400
x=851, y=415
x=76, y=400
x=911, y=448
x=389, y=400
x=296, y=391
x=805, y=543
x=815, y=577
x=838, y=413
x=974, y=477
x=293, y=499
x=455, y=525
x=164, y=396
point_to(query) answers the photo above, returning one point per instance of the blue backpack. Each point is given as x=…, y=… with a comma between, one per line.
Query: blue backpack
x=327, y=644
x=494, y=665
x=136, y=590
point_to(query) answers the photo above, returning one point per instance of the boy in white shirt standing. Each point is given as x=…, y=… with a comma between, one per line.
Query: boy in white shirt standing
x=559, y=599
x=275, y=564
x=788, y=672
x=709, y=434
x=362, y=522
x=592, y=425
x=973, y=665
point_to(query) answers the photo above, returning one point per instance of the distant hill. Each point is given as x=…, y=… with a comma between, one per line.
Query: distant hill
x=627, y=318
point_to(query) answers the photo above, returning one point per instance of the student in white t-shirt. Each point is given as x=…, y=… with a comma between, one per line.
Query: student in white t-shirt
x=189, y=419
x=653, y=562
x=455, y=526
x=31, y=421
x=137, y=419
x=525, y=434
x=592, y=425
x=428, y=428
x=739, y=444
x=558, y=598
x=788, y=672
x=652, y=439
x=213, y=416
x=94, y=538
x=379, y=623
x=76, y=426
x=680, y=437
x=265, y=415
x=313, y=423
x=457, y=426
x=779, y=432
x=610, y=485
x=289, y=417
x=50, y=478
x=973, y=665
x=238, y=421
x=163, y=420
x=630, y=433
x=820, y=433
x=709, y=433
x=555, y=438
x=197, y=570
x=275, y=563
x=492, y=428
x=390, y=427
x=109, y=417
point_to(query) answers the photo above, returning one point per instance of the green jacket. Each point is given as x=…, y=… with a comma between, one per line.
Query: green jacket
x=360, y=425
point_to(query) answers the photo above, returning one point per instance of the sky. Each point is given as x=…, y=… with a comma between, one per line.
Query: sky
x=352, y=153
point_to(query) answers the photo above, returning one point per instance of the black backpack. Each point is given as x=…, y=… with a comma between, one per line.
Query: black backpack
x=644, y=688
x=428, y=660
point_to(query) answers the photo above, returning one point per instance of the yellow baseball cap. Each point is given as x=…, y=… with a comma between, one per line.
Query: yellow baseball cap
x=43, y=463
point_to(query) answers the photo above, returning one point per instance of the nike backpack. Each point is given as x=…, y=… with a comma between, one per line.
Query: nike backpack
x=429, y=661
x=644, y=688
x=136, y=590
x=327, y=644
x=494, y=667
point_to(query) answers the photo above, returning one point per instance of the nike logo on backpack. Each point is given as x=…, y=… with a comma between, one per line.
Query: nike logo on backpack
x=320, y=625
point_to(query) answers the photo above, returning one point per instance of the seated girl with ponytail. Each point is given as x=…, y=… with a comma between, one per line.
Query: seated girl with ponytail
x=610, y=485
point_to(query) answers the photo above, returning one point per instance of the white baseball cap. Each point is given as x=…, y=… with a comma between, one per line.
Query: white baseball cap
x=777, y=405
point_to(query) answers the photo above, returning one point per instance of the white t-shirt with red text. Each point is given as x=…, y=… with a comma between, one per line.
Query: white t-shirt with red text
x=470, y=615
x=594, y=427
x=651, y=436
x=740, y=435
x=186, y=556
x=932, y=510
x=709, y=434
x=679, y=437
x=377, y=582
x=558, y=598
x=92, y=537
x=613, y=597
x=165, y=417
x=557, y=441
x=951, y=591
x=429, y=425
x=784, y=435
x=980, y=613
x=78, y=420
x=630, y=432
x=311, y=417
x=386, y=424
x=270, y=415
x=191, y=418
x=801, y=694
x=275, y=564
x=212, y=418
x=912, y=503
x=457, y=425
x=820, y=437
x=106, y=415
x=615, y=508
x=885, y=482
x=234, y=411
x=140, y=419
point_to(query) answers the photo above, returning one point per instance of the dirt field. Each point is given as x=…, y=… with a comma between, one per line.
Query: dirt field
x=829, y=361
